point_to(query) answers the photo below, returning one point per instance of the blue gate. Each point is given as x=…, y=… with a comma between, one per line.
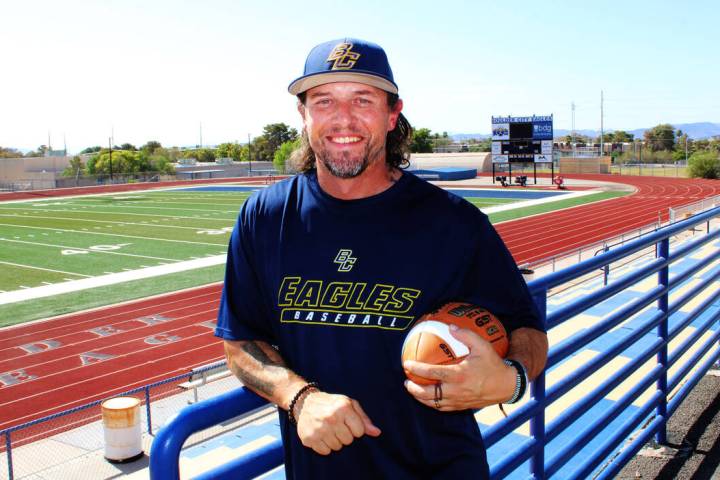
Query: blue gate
x=677, y=303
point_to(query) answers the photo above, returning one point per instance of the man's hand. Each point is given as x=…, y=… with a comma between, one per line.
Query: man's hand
x=480, y=379
x=327, y=422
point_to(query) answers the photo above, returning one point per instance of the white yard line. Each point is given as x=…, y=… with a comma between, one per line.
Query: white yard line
x=538, y=201
x=44, y=269
x=115, y=235
x=89, y=250
x=111, y=279
x=119, y=213
x=230, y=222
x=104, y=205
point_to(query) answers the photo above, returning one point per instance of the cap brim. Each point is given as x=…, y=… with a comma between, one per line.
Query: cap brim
x=303, y=84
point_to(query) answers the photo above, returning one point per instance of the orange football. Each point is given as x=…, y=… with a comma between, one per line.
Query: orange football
x=430, y=340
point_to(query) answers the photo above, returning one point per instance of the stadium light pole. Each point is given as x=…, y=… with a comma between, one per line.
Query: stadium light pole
x=249, y=157
x=601, y=124
x=110, y=146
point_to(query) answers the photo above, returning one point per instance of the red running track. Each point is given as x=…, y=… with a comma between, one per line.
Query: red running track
x=71, y=360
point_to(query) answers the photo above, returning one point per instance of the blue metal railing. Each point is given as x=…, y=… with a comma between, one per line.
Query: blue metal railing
x=145, y=390
x=650, y=311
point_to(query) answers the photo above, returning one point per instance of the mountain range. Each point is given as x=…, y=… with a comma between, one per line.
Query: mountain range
x=696, y=131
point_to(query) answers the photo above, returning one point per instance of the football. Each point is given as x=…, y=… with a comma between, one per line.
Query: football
x=430, y=340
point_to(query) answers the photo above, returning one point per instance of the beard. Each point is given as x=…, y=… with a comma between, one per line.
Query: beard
x=347, y=164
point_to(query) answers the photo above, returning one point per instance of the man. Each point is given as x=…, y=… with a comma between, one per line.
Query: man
x=328, y=270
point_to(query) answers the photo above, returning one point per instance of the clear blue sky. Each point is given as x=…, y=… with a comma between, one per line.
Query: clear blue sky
x=157, y=69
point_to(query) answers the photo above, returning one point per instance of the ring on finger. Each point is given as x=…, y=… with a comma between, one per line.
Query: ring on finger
x=438, y=391
x=438, y=394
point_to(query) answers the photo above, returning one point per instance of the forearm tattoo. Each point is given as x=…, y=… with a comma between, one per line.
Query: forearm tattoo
x=268, y=368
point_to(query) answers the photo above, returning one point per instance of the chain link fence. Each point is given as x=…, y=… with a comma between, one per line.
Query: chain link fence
x=70, y=444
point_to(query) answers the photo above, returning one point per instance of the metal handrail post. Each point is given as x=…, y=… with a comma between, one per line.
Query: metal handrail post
x=537, y=422
x=606, y=268
x=147, y=409
x=662, y=331
x=8, y=451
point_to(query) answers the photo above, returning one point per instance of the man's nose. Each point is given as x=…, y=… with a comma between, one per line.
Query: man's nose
x=344, y=114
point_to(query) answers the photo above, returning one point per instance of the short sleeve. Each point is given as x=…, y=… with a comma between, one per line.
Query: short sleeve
x=242, y=314
x=494, y=281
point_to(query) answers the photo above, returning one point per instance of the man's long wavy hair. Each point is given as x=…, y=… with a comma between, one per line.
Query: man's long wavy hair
x=397, y=143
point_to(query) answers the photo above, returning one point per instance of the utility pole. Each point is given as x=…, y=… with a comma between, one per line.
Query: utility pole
x=602, y=133
x=110, y=145
x=200, y=134
x=249, y=156
x=574, y=142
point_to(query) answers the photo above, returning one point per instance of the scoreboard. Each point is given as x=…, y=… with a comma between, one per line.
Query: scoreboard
x=522, y=139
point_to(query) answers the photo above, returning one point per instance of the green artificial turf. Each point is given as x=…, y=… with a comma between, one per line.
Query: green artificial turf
x=19, y=312
x=551, y=206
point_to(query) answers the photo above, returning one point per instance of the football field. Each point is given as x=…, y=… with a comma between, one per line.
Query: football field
x=46, y=242
x=72, y=253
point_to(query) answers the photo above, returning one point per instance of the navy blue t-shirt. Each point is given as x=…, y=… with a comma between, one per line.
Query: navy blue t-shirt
x=335, y=284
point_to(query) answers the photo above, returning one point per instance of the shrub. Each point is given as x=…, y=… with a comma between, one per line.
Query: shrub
x=704, y=165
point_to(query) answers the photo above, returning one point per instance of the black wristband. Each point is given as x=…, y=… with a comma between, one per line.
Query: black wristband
x=291, y=414
x=521, y=381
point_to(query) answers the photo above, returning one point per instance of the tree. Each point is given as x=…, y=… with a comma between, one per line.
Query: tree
x=704, y=165
x=205, y=155
x=161, y=163
x=10, y=153
x=283, y=153
x=621, y=136
x=232, y=150
x=74, y=168
x=421, y=141
x=483, y=145
x=578, y=139
x=274, y=134
x=128, y=146
x=40, y=152
x=440, y=142
x=151, y=146
x=123, y=161
x=660, y=137
x=94, y=149
x=259, y=149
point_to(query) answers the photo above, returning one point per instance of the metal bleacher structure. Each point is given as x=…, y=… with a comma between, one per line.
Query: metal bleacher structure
x=626, y=348
x=629, y=339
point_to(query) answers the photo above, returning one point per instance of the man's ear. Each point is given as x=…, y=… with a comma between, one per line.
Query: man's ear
x=395, y=114
x=301, y=110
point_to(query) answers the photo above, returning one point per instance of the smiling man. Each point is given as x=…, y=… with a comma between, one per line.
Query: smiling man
x=328, y=270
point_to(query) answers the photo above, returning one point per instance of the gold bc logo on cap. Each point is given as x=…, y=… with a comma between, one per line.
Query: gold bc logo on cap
x=343, y=57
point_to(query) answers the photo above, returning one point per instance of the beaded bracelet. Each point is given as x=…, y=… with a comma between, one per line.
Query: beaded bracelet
x=521, y=380
x=291, y=414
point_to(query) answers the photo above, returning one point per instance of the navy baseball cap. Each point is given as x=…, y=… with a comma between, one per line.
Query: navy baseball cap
x=346, y=60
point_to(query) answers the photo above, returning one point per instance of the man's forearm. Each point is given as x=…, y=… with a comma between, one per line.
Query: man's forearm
x=529, y=347
x=261, y=368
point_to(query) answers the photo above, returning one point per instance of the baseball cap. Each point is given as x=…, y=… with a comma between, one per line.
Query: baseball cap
x=346, y=60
